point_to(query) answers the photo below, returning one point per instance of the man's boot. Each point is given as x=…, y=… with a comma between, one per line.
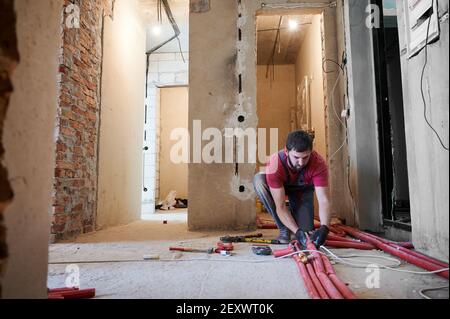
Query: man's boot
x=285, y=236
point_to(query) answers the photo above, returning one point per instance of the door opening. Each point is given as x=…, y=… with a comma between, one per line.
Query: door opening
x=290, y=79
x=391, y=121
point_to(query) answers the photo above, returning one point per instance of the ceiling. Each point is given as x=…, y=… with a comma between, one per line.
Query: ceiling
x=291, y=40
x=180, y=11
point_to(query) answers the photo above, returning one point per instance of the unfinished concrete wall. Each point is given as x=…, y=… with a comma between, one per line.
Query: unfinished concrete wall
x=309, y=64
x=362, y=124
x=122, y=111
x=428, y=162
x=174, y=115
x=222, y=89
x=275, y=98
x=9, y=56
x=29, y=147
x=75, y=185
x=214, y=98
x=336, y=100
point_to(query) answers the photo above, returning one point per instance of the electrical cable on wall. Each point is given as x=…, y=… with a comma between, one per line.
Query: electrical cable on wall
x=341, y=70
x=421, y=84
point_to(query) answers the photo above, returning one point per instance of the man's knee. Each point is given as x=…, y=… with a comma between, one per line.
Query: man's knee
x=259, y=181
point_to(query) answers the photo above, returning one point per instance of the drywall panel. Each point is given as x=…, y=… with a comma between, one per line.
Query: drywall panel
x=121, y=117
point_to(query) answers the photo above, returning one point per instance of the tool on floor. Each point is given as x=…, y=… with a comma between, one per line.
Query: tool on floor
x=247, y=239
x=193, y=250
x=151, y=257
x=224, y=247
x=262, y=250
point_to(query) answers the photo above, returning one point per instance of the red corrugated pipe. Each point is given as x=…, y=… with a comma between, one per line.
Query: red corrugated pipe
x=405, y=255
x=319, y=268
x=341, y=286
x=346, y=244
x=61, y=293
x=312, y=291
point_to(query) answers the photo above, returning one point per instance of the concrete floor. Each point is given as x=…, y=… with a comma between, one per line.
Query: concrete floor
x=200, y=276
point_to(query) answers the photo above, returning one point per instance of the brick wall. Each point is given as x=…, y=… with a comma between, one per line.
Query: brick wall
x=9, y=57
x=165, y=69
x=75, y=183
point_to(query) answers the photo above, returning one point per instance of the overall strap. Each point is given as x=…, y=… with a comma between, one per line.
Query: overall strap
x=283, y=159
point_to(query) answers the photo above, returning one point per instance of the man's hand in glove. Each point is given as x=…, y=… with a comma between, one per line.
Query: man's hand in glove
x=319, y=237
x=302, y=238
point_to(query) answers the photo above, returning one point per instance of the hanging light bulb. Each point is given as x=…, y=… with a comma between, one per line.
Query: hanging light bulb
x=157, y=29
x=293, y=25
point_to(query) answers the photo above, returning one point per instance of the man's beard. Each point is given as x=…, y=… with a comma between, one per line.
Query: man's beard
x=297, y=168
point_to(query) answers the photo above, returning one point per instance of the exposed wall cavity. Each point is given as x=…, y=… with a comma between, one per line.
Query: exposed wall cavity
x=75, y=184
x=28, y=141
x=9, y=57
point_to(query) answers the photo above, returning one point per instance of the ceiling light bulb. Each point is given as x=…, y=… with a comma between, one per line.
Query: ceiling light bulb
x=156, y=30
x=293, y=25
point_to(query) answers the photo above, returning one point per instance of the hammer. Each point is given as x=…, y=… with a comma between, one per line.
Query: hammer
x=193, y=250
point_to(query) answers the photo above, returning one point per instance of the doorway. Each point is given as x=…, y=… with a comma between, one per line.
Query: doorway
x=171, y=179
x=391, y=120
x=290, y=78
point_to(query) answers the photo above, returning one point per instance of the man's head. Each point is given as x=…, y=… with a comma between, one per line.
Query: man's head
x=299, y=146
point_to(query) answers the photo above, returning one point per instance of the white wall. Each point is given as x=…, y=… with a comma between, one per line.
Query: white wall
x=29, y=148
x=309, y=63
x=174, y=115
x=121, y=117
x=428, y=168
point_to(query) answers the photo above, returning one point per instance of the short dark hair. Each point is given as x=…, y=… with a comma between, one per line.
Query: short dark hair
x=299, y=141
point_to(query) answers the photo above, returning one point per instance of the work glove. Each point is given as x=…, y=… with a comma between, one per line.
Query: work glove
x=319, y=237
x=302, y=239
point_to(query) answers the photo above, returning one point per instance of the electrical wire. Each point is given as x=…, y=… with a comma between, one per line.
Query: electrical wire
x=421, y=83
x=423, y=295
x=330, y=60
x=298, y=5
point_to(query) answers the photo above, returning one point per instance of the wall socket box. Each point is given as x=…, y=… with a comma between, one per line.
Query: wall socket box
x=418, y=14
